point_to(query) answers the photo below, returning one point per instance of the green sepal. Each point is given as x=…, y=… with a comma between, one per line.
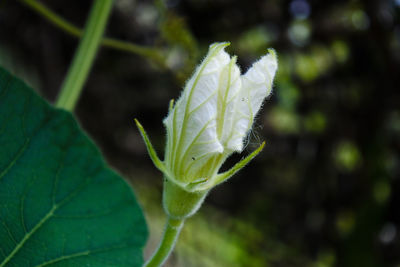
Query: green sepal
x=150, y=149
x=179, y=203
x=222, y=177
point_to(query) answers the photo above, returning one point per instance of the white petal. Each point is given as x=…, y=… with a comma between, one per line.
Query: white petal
x=258, y=80
x=256, y=86
x=228, y=92
x=191, y=125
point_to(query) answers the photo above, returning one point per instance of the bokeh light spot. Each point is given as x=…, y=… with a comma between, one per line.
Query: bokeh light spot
x=347, y=156
x=381, y=192
x=315, y=122
x=340, y=50
x=299, y=32
x=360, y=20
x=300, y=9
x=388, y=233
x=345, y=223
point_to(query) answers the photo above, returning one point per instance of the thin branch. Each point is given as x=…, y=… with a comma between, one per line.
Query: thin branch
x=151, y=53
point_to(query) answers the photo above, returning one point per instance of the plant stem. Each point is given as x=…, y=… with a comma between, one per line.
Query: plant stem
x=61, y=23
x=172, y=229
x=84, y=56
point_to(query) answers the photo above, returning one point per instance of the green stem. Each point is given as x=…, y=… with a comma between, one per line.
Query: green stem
x=84, y=56
x=61, y=23
x=53, y=18
x=172, y=229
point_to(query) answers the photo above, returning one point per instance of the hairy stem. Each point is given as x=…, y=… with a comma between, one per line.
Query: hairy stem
x=85, y=54
x=172, y=229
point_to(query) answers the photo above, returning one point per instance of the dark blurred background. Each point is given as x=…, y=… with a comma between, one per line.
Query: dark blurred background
x=325, y=191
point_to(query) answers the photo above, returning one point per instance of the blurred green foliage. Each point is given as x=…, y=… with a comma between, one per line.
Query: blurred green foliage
x=347, y=156
x=324, y=192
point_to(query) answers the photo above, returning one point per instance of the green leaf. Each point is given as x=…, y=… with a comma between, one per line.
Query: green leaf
x=60, y=205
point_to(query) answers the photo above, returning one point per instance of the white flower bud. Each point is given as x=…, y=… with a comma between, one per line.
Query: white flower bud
x=208, y=123
x=214, y=114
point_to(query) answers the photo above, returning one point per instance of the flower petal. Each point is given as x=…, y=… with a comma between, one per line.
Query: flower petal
x=256, y=86
x=258, y=80
x=191, y=124
x=228, y=92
